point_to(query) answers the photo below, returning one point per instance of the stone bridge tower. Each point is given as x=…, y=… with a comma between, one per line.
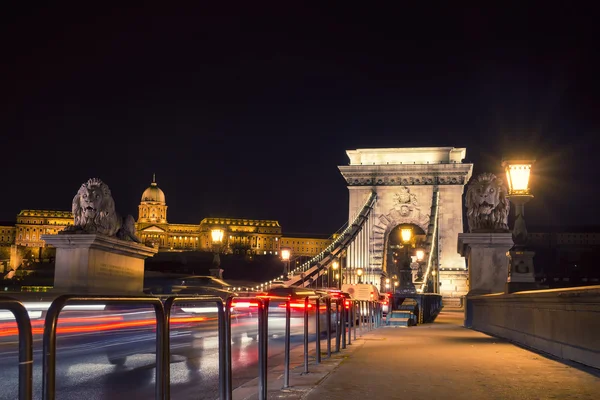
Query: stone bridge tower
x=407, y=182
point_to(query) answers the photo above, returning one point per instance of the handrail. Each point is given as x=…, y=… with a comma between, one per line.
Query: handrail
x=25, y=345
x=320, y=262
x=49, y=338
x=224, y=334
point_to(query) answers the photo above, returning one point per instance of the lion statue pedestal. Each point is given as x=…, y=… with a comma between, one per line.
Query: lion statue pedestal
x=489, y=239
x=100, y=252
x=96, y=263
x=486, y=260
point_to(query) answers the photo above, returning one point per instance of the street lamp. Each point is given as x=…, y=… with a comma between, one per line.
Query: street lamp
x=406, y=235
x=335, y=265
x=359, y=272
x=406, y=273
x=285, y=256
x=217, y=240
x=420, y=255
x=520, y=271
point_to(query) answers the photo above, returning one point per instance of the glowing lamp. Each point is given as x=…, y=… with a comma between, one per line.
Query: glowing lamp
x=406, y=235
x=359, y=272
x=420, y=255
x=517, y=176
x=217, y=235
x=335, y=265
x=387, y=280
x=285, y=254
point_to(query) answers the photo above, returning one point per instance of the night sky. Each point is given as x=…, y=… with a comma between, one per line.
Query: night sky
x=248, y=110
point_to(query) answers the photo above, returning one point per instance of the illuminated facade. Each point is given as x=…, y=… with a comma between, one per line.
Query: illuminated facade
x=304, y=246
x=7, y=234
x=241, y=236
x=31, y=224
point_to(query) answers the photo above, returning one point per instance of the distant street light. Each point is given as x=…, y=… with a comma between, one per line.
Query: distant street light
x=359, y=272
x=217, y=240
x=335, y=265
x=406, y=235
x=285, y=256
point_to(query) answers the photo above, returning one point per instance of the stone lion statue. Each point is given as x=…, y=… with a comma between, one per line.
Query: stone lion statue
x=487, y=204
x=94, y=211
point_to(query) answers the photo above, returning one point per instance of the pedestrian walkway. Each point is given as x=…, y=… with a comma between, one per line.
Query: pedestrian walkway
x=443, y=360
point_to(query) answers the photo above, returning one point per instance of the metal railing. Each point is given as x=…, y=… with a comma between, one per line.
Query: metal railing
x=49, y=338
x=363, y=314
x=25, y=345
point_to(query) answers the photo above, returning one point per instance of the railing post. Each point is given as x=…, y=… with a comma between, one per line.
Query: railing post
x=263, y=335
x=306, y=335
x=354, y=320
x=328, y=313
x=350, y=322
x=318, y=329
x=25, y=345
x=286, y=367
x=344, y=312
x=337, y=325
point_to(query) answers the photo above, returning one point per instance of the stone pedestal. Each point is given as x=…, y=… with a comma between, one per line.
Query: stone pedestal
x=95, y=263
x=520, y=271
x=486, y=255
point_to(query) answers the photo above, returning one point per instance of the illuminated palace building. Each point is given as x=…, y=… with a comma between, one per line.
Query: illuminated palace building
x=240, y=236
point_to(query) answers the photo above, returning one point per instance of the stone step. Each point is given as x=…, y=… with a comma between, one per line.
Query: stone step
x=399, y=322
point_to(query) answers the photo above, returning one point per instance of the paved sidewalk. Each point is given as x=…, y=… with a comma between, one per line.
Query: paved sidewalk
x=443, y=360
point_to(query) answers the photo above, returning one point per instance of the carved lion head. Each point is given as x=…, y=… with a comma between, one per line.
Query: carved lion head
x=94, y=208
x=487, y=204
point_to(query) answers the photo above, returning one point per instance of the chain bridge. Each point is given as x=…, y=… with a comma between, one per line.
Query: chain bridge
x=416, y=189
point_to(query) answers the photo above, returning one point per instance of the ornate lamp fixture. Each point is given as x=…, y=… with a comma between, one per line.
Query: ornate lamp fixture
x=517, y=176
x=520, y=270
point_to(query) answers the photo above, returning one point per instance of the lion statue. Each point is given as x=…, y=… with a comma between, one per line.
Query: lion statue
x=94, y=212
x=487, y=204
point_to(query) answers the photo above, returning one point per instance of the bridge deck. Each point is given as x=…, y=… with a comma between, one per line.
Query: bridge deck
x=443, y=360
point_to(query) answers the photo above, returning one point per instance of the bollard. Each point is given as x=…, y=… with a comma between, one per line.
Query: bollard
x=318, y=330
x=306, y=335
x=328, y=313
x=25, y=345
x=286, y=370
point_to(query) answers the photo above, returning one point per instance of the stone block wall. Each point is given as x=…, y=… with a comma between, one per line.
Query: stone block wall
x=561, y=322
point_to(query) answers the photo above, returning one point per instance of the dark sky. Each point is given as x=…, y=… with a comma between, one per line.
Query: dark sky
x=247, y=111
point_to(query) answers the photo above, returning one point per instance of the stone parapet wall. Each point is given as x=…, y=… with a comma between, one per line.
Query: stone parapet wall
x=561, y=322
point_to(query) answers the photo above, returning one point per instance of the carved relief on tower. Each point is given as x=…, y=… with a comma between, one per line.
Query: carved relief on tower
x=406, y=208
x=404, y=179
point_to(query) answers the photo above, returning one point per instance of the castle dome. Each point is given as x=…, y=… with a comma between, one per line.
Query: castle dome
x=153, y=194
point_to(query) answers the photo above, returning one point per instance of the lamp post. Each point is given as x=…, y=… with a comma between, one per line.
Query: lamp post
x=406, y=235
x=285, y=256
x=217, y=240
x=335, y=265
x=520, y=264
x=359, y=273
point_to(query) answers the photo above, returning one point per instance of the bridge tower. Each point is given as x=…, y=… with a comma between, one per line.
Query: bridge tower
x=420, y=187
